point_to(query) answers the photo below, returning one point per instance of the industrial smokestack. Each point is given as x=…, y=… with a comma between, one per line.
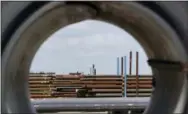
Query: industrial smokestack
x=125, y=64
x=122, y=66
x=125, y=76
x=130, y=63
x=137, y=77
x=118, y=66
x=137, y=63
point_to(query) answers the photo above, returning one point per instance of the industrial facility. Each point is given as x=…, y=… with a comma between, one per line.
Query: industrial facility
x=51, y=85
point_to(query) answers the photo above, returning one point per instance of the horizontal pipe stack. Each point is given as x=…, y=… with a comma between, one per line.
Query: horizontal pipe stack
x=66, y=85
x=139, y=86
x=103, y=86
x=41, y=85
x=98, y=86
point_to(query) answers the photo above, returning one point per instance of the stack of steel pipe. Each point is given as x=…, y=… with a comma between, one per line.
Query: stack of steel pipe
x=66, y=85
x=144, y=88
x=40, y=85
x=104, y=86
x=45, y=85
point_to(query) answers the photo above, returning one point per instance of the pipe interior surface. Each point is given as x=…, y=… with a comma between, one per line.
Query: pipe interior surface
x=157, y=38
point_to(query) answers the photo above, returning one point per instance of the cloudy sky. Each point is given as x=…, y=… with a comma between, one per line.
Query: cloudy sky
x=78, y=46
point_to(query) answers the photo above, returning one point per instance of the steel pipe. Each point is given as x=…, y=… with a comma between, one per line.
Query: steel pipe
x=89, y=104
x=26, y=25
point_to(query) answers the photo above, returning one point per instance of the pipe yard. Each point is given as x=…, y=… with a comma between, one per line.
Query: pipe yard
x=122, y=93
x=105, y=93
x=51, y=85
x=97, y=86
x=50, y=92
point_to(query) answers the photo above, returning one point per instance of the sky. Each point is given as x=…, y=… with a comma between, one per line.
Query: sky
x=76, y=47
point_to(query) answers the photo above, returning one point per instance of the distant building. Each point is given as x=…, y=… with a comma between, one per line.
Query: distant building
x=93, y=70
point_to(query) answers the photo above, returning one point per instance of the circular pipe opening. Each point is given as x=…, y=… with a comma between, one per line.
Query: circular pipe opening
x=156, y=37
